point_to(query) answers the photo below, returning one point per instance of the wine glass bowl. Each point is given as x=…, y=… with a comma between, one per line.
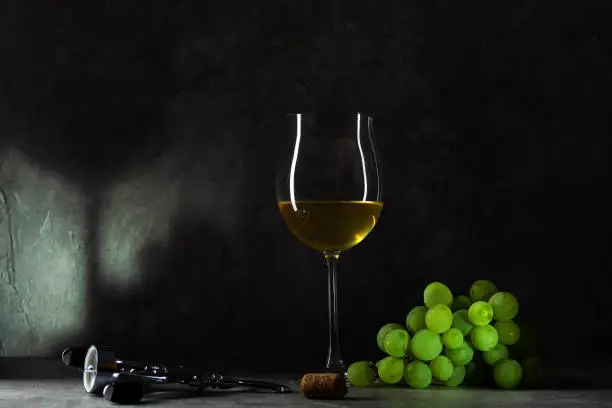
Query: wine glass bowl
x=329, y=192
x=330, y=226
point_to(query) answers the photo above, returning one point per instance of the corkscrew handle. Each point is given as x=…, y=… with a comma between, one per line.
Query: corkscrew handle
x=279, y=388
x=217, y=380
x=104, y=364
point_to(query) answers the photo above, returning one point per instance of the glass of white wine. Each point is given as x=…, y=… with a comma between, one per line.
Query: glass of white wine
x=329, y=193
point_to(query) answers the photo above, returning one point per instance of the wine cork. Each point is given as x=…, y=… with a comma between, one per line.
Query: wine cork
x=323, y=386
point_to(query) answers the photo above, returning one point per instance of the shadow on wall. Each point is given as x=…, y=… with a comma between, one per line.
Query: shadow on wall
x=187, y=302
x=88, y=107
x=199, y=302
x=97, y=103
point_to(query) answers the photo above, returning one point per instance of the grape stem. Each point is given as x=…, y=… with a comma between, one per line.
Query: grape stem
x=334, y=361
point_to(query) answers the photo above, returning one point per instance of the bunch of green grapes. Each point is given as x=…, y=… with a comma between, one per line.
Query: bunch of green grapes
x=450, y=341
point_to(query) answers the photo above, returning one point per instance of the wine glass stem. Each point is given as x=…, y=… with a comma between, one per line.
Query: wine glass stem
x=334, y=358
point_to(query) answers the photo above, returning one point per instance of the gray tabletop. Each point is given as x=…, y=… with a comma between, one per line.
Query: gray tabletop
x=32, y=383
x=69, y=393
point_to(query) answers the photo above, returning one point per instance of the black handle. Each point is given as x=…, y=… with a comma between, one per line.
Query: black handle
x=217, y=380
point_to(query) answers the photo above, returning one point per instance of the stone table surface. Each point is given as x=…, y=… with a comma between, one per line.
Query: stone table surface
x=69, y=393
x=35, y=384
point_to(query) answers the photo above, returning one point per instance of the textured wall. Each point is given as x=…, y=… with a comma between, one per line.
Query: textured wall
x=45, y=243
x=43, y=253
x=138, y=160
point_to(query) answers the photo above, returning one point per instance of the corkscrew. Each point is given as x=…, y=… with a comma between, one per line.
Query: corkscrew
x=125, y=382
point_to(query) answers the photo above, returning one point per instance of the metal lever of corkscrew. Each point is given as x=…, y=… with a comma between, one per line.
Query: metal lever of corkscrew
x=216, y=380
x=124, y=381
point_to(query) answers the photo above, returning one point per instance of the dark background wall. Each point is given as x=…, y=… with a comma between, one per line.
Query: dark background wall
x=138, y=161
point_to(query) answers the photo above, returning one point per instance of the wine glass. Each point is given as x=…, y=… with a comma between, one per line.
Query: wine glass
x=329, y=194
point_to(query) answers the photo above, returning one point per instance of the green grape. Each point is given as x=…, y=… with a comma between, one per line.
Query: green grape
x=508, y=373
x=482, y=290
x=497, y=353
x=396, y=343
x=509, y=332
x=437, y=293
x=361, y=374
x=415, y=320
x=505, y=306
x=441, y=368
x=461, y=302
x=439, y=319
x=480, y=313
x=417, y=374
x=461, y=355
x=390, y=370
x=457, y=377
x=382, y=333
x=426, y=345
x=452, y=338
x=484, y=338
x=461, y=321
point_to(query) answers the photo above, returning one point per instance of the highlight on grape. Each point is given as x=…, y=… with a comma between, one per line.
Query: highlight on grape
x=450, y=341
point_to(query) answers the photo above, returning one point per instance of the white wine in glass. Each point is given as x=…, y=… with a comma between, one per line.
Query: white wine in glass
x=329, y=193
